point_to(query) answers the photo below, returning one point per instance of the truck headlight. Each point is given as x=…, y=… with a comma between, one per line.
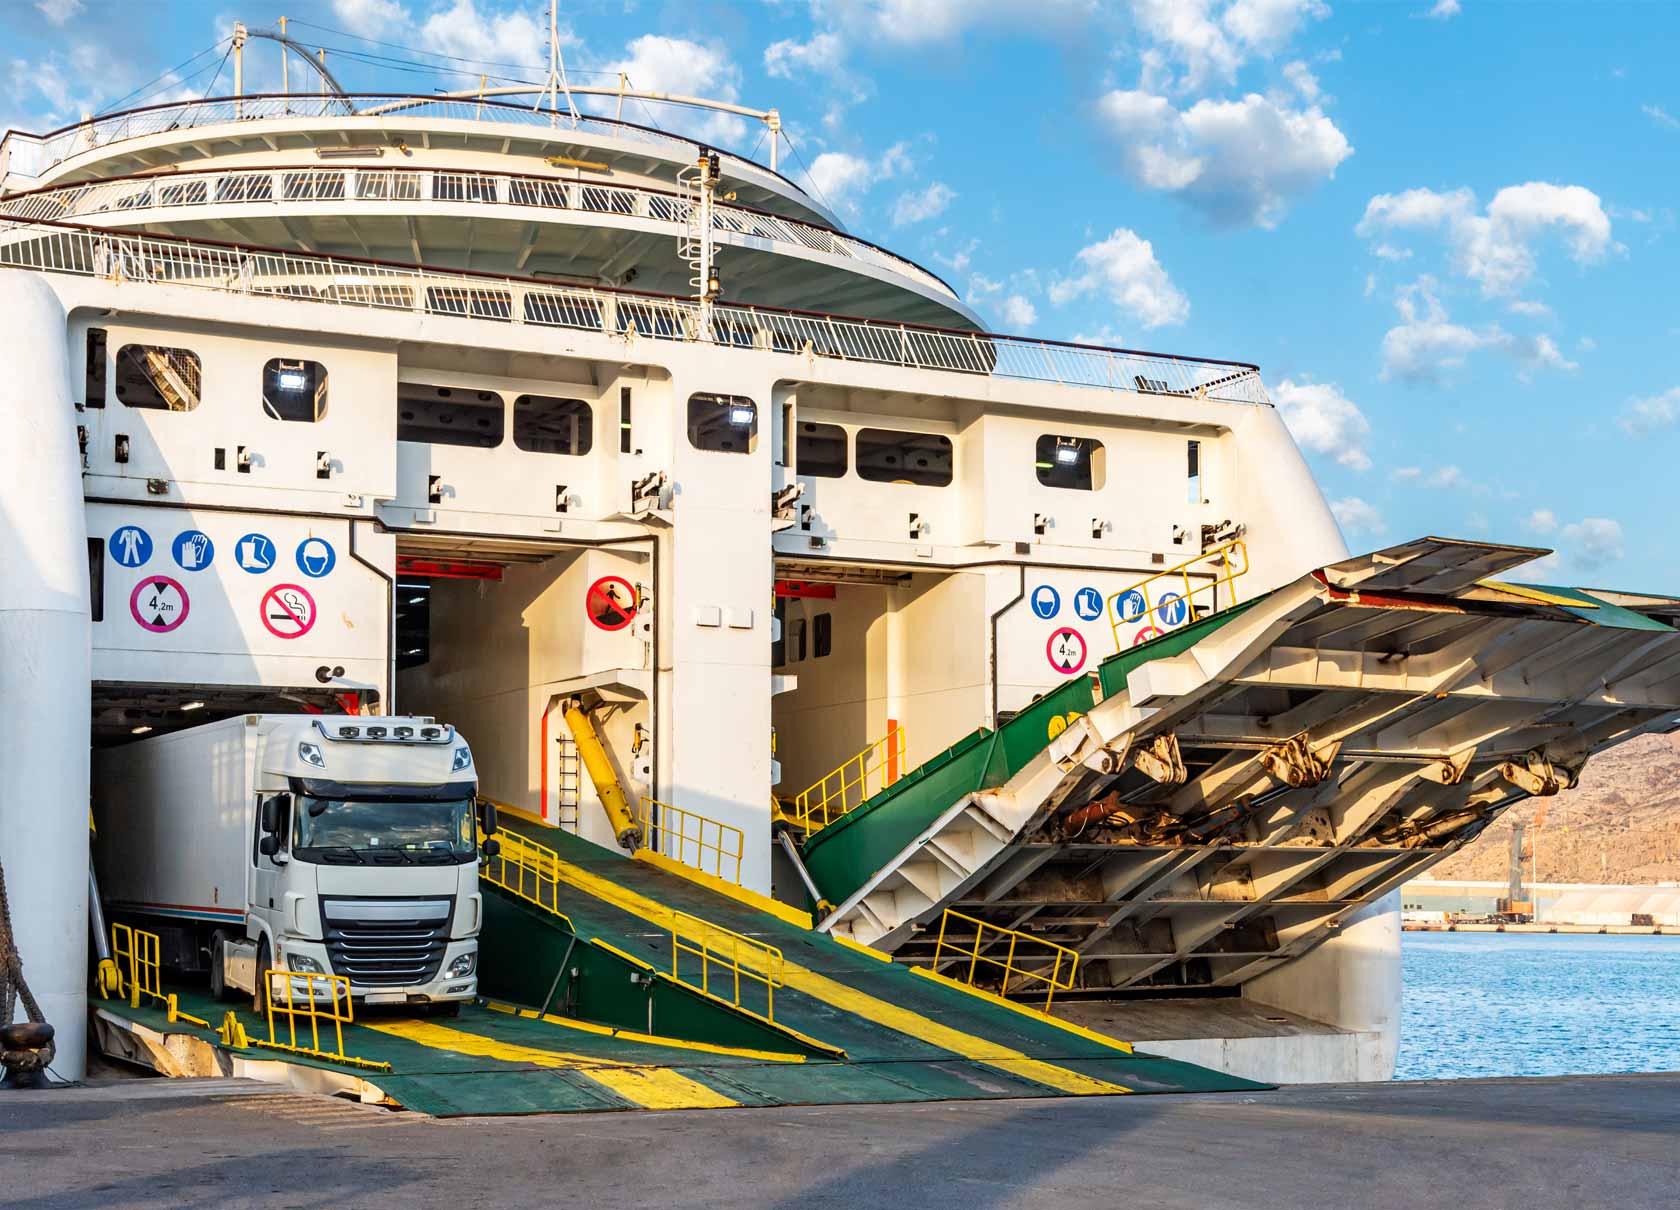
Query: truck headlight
x=303, y=964
x=463, y=760
x=311, y=754
x=466, y=964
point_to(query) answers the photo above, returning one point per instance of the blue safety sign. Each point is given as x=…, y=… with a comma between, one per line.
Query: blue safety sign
x=1172, y=609
x=131, y=546
x=193, y=550
x=1046, y=601
x=1088, y=604
x=255, y=553
x=316, y=557
x=1132, y=606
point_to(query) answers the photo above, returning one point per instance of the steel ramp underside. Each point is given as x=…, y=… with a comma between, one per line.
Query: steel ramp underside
x=1225, y=794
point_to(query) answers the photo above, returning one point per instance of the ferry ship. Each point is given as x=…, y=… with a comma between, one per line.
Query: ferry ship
x=734, y=539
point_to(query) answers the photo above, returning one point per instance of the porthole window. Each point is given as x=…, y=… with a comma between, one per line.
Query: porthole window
x=1076, y=463
x=822, y=635
x=723, y=424
x=821, y=450
x=546, y=425
x=159, y=379
x=295, y=390
x=890, y=456
x=449, y=415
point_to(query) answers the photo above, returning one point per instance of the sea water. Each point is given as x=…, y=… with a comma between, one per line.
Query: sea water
x=1514, y=1004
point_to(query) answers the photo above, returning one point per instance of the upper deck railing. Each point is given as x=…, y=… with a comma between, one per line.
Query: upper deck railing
x=350, y=281
x=32, y=154
x=348, y=186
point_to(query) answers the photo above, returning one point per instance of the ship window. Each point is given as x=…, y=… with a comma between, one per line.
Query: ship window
x=821, y=450
x=96, y=579
x=545, y=425
x=158, y=379
x=796, y=640
x=449, y=416
x=723, y=424
x=93, y=378
x=822, y=635
x=889, y=456
x=624, y=420
x=1076, y=463
x=1193, y=488
x=295, y=390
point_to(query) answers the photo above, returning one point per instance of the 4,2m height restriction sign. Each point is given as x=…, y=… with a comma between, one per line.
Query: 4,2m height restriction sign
x=159, y=604
x=288, y=611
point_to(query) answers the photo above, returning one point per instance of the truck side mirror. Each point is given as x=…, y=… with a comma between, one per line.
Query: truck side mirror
x=269, y=845
x=492, y=847
x=489, y=819
x=274, y=811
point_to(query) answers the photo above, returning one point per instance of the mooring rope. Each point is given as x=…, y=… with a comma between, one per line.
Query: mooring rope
x=13, y=986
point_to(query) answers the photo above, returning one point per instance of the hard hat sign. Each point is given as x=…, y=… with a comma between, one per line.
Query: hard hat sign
x=159, y=604
x=1066, y=651
x=288, y=611
x=611, y=603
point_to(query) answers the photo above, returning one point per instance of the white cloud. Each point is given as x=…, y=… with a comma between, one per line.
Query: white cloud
x=1356, y=516
x=824, y=54
x=1239, y=162
x=1542, y=521
x=57, y=12
x=655, y=63
x=1406, y=474
x=841, y=178
x=1534, y=310
x=1593, y=541
x=1016, y=313
x=1444, y=10
x=1302, y=80
x=1324, y=421
x=1494, y=248
x=1652, y=413
x=1447, y=476
x=464, y=32
x=918, y=206
x=1211, y=41
x=921, y=22
x=1124, y=268
x=1426, y=344
x=371, y=18
x=1658, y=114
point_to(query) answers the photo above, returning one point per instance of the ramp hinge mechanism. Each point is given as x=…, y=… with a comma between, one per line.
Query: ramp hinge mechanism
x=1537, y=776
x=1161, y=761
x=1296, y=764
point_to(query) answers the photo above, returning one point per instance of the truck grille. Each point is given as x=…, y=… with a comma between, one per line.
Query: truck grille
x=386, y=942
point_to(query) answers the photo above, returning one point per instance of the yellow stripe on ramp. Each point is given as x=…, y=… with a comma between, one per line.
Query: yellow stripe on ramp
x=648, y=1087
x=850, y=999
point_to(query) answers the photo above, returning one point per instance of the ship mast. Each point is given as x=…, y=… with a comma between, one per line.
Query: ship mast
x=556, y=82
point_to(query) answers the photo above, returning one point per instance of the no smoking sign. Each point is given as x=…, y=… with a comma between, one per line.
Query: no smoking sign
x=288, y=611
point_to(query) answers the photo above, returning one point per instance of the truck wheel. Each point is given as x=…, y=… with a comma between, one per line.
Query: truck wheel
x=451, y=1008
x=218, y=966
x=264, y=961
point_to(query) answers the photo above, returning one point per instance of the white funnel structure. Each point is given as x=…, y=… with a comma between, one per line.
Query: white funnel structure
x=44, y=663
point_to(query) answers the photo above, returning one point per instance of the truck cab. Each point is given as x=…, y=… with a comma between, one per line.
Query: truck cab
x=364, y=845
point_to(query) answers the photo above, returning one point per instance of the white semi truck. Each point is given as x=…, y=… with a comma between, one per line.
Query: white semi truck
x=340, y=844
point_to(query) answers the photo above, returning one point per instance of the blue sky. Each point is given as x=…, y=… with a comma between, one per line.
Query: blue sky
x=1446, y=231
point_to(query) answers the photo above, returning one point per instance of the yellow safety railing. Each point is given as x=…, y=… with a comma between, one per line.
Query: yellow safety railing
x=733, y=956
x=136, y=973
x=852, y=783
x=527, y=869
x=322, y=1000
x=1025, y=958
x=693, y=839
x=1169, y=598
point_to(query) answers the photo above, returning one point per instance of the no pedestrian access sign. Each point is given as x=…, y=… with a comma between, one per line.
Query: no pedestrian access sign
x=611, y=603
x=159, y=604
x=288, y=611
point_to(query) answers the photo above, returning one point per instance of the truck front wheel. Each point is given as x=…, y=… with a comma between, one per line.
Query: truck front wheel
x=265, y=959
x=218, y=966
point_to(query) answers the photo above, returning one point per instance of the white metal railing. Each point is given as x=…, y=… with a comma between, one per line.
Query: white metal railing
x=32, y=155
x=347, y=185
x=169, y=260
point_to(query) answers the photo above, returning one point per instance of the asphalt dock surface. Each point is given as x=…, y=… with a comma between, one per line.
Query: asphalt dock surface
x=1577, y=1143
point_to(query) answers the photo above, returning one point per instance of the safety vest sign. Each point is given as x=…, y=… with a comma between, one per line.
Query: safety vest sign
x=611, y=603
x=159, y=604
x=288, y=611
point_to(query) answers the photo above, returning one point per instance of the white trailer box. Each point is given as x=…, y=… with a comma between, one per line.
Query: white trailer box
x=340, y=844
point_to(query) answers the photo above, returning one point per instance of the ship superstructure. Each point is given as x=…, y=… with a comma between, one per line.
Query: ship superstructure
x=720, y=528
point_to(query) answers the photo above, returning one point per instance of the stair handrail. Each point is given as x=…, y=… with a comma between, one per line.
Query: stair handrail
x=846, y=787
x=676, y=832
x=738, y=955
x=535, y=868
x=1222, y=565
x=1054, y=981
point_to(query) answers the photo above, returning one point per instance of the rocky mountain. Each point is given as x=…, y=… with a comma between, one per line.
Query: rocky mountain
x=1621, y=824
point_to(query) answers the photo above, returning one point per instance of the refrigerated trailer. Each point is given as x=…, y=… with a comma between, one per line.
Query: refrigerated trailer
x=339, y=844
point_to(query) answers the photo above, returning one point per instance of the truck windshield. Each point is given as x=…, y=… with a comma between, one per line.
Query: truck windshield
x=345, y=831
